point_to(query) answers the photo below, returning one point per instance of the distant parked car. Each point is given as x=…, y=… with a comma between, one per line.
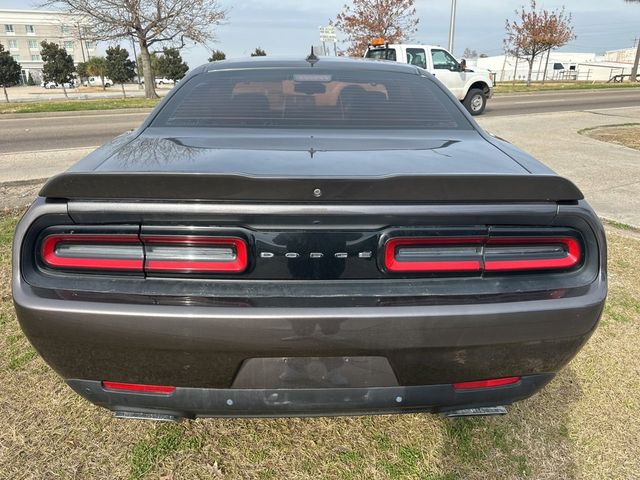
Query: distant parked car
x=162, y=81
x=50, y=85
x=97, y=82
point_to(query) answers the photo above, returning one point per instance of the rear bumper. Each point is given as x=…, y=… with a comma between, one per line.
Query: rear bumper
x=208, y=402
x=202, y=349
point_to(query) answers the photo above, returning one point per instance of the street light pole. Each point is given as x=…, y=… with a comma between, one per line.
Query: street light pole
x=452, y=25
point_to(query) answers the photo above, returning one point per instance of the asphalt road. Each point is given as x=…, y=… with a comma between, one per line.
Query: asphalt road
x=36, y=132
x=519, y=104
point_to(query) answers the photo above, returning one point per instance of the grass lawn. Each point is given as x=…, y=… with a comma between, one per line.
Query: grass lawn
x=627, y=134
x=585, y=424
x=76, y=105
x=521, y=87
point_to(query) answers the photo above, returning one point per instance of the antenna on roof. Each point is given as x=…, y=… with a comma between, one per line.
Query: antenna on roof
x=312, y=58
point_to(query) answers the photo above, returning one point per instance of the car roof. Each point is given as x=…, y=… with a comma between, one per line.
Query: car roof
x=334, y=63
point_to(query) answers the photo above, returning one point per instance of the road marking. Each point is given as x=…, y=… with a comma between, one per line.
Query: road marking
x=540, y=101
x=54, y=150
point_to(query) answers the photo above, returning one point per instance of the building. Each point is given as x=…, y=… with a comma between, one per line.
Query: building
x=563, y=66
x=21, y=32
x=623, y=55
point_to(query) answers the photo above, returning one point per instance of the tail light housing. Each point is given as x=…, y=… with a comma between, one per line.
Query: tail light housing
x=195, y=253
x=111, y=252
x=487, y=253
x=144, y=254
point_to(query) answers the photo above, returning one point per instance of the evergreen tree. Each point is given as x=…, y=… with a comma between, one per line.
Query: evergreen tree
x=170, y=64
x=217, y=55
x=9, y=71
x=58, y=65
x=120, y=69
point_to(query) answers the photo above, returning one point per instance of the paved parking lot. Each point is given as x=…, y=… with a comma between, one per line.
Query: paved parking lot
x=608, y=175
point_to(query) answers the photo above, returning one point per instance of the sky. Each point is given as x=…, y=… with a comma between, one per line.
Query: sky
x=290, y=27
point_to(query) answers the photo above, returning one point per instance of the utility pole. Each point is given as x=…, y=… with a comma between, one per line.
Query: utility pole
x=135, y=56
x=452, y=25
x=634, y=69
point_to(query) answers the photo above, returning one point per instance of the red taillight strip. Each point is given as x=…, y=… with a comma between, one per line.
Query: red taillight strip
x=467, y=265
x=237, y=265
x=571, y=259
x=138, y=387
x=52, y=259
x=493, y=382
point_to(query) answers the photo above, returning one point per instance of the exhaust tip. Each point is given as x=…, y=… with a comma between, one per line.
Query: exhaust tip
x=156, y=417
x=476, y=412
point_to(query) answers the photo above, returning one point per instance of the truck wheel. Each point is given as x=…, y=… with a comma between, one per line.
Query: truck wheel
x=475, y=101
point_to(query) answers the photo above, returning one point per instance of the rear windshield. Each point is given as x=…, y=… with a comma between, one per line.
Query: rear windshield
x=316, y=98
x=382, y=54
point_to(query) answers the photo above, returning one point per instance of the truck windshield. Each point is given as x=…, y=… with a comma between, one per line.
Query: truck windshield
x=304, y=98
x=382, y=54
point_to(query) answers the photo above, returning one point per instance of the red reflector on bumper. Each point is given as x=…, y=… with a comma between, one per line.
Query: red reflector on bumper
x=138, y=387
x=493, y=382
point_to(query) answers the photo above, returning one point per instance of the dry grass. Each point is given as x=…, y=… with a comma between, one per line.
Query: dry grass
x=627, y=135
x=585, y=424
x=558, y=85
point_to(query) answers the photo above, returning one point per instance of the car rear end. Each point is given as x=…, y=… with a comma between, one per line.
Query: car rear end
x=164, y=294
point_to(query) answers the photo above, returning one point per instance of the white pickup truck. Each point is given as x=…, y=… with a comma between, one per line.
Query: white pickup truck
x=473, y=87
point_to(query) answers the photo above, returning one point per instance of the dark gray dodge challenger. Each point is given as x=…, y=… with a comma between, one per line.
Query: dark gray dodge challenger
x=308, y=237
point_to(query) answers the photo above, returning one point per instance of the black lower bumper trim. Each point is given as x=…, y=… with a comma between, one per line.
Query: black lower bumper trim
x=210, y=402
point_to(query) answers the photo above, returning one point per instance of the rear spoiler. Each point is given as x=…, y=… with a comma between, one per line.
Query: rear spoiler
x=238, y=188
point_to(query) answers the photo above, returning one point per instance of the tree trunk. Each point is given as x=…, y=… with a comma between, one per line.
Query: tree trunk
x=64, y=90
x=4, y=88
x=515, y=69
x=102, y=80
x=530, y=62
x=504, y=64
x=149, y=75
x=634, y=70
x=539, y=67
x=546, y=66
x=124, y=95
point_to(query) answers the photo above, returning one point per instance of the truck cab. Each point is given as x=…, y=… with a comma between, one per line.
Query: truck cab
x=473, y=87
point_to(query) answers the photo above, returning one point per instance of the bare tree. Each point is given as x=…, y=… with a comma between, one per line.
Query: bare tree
x=362, y=20
x=150, y=22
x=537, y=31
x=468, y=53
x=634, y=69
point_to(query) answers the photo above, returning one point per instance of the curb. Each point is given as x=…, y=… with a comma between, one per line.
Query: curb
x=71, y=113
x=23, y=183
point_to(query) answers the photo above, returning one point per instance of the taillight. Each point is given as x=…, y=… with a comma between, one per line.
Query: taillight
x=194, y=253
x=93, y=252
x=481, y=254
x=490, y=383
x=531, y=253
x=433, y=254
x=131, y=253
